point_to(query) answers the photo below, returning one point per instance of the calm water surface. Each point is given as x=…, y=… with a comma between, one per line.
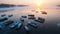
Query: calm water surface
x=49, y=26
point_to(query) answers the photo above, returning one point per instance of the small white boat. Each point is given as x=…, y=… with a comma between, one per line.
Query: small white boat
x=19, y=25
x=13, y=25
x=26, y=28
x=33, y=24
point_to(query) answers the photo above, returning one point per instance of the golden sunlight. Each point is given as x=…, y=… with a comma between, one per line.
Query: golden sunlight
x=38, y=3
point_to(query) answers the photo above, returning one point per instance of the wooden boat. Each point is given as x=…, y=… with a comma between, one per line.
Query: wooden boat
x=31, y=17
x=24, y=16
x=8, y=22
x=3, y=19
x=3, y=15
x=10, y=15
x=43, y=12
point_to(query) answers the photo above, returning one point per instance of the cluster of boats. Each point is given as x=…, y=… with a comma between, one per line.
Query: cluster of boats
x=17, y=25
x=32, y=23
x=42, y=12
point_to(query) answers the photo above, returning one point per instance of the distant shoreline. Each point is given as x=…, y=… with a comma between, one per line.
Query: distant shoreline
x=11, y=5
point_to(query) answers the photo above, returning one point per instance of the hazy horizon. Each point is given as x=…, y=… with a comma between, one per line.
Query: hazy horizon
x=38, y=3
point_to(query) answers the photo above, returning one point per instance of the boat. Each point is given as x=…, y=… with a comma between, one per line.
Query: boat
x=24, y=16
x=3, y=15
x=8, y=22
x=3, y=19
x=12, y=26
x=26, y=27
x=22, y=19
x=19, y=26
x=41, y=20
x=43, y=12
x=31, y=17
x=10, y=15
x=33, y=24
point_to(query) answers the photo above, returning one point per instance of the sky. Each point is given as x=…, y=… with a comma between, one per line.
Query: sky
x=31, y=2
x=28, y=1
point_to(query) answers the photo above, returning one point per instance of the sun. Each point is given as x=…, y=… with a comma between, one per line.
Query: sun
x=39, y=4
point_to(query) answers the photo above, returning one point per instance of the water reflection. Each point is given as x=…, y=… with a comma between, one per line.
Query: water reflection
x=51, y=19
